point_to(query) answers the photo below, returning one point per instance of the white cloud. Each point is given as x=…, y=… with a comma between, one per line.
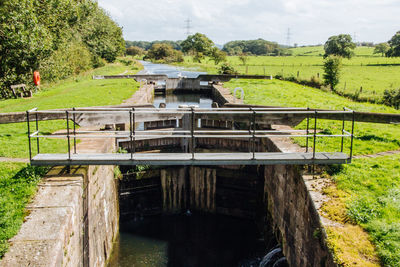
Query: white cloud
x=311, y=21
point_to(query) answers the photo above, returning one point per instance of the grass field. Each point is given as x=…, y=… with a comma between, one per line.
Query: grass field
x=373, y=73
x=371, y=185
x=17, y=180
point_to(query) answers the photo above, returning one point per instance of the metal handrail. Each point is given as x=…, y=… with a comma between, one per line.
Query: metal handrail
x=252, y=133
x=64, y=136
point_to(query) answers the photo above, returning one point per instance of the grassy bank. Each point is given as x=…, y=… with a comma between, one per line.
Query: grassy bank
x=17, y=185
x=365, y=192
x=17, y=180
x=373, y=188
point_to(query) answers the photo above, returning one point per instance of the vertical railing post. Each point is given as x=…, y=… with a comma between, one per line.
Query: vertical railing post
x=192, y=132
x=29, y=135
x=308, y=127
x=68, y=136
x=37, y=131
x=250, y=130
x=254, y=133
x=315, y=134
x=352, y=135
x=73, y=120
x=342, y=141
x=131, y=133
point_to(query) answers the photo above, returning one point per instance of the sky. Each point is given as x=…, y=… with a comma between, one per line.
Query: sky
x=310, y=21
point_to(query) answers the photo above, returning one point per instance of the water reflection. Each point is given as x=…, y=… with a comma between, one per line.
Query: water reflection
x=170, y=71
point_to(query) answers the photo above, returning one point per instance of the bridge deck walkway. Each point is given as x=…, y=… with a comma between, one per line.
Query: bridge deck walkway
x=247, y=158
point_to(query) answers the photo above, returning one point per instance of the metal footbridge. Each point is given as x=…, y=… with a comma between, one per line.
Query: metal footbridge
x=190, y=125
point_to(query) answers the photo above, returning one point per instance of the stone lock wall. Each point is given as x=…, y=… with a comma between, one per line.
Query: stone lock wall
x=73, y=219
x=292, y=213
x=103, y=213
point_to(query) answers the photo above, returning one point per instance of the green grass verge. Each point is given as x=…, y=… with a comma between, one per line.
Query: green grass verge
x=17, y=185
x=371, y=72
x=14, y=139
x=373, y=184
x=80, y=91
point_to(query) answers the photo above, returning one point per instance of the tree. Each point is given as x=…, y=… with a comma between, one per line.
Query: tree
x=381, y=48
x=101, y=34
x=394, y=43
x=198, y=45
x=57, y=37
x=332, y=66
x=217, y=55
x=340, y=45
x=244, y=58
x=134, y=51
x=164, y=52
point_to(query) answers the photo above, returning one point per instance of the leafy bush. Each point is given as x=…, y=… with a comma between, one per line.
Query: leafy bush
x=164, y=53
x=134, y=51
x=391, y=98
x=225, y=68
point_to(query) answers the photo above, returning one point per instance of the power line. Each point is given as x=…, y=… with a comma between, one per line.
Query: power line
x=188, y=27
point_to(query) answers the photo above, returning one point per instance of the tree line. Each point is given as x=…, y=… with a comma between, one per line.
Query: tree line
x=146, y=45
x=200, y=46
x=57, y=37
x=255, y=47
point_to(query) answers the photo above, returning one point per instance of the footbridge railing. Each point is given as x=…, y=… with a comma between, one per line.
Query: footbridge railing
x=189, y=130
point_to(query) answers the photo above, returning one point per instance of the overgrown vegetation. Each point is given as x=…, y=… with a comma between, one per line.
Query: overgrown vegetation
x=57, y=37
x=17, y=185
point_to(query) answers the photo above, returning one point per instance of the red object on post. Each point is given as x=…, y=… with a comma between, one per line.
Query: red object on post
x=36, y=78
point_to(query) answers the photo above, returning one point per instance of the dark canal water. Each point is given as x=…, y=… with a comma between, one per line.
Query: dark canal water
x=181, y=240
